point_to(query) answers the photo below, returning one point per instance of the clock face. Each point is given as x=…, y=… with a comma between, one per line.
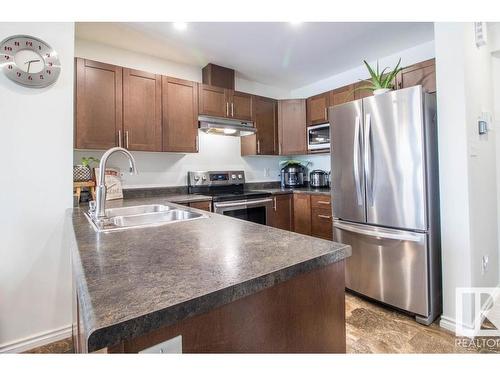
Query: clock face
x=29, y=61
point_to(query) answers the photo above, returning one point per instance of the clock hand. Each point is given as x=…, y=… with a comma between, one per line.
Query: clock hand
x=29, y=63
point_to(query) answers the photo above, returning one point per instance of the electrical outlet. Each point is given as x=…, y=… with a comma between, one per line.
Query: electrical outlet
x=266, y=172
x=484, y=264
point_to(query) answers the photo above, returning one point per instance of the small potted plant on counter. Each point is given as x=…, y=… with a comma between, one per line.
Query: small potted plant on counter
x=381, y=82
x=82, y=172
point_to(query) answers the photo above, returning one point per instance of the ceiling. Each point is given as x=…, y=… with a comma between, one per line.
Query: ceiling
x=280, y=54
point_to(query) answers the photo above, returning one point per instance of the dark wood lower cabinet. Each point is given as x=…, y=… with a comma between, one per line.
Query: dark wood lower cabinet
x=281, y=215
x=302, y=213
x=204, y=205
x=305, y=314
x=321, y=223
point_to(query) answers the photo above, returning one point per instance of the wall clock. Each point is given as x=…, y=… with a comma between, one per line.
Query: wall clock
x=29, y=61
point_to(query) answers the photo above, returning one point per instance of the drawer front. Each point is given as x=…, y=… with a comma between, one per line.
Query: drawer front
x=321, y=223
x=321, y=201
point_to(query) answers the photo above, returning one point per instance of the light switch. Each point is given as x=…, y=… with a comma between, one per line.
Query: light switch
x=482, y=127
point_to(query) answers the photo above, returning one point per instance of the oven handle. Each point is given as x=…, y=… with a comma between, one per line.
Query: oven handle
x=243, y=203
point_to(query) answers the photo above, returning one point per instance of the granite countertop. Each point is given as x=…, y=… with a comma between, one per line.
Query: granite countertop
x=134, y=281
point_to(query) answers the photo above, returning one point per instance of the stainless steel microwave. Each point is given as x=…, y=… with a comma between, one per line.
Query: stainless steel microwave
x=318, y=137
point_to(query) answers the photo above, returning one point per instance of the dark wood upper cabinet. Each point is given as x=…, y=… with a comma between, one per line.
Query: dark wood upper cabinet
x=220, y=76
x=213, y=101
x=281, y=216
x=141, y=111
x=180, y=115
x=265, y=141
x=342, y=95
x=302, y=213
x=241, y=105
x=317, y=109
x=292, y=127
x=423, y=73
x=360, y=92
x=98, y=107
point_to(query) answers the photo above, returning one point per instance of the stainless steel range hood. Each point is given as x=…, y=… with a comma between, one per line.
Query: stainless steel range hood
x=224, y=126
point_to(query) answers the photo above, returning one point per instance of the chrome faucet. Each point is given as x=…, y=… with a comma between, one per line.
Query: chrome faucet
x=100, y=205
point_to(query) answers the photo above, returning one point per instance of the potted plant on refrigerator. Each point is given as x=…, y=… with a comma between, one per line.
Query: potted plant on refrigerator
x=381, y=82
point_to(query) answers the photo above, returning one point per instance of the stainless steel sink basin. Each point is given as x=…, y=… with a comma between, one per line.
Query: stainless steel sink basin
x=136, y=210
x=124, y=218
x=157, y=217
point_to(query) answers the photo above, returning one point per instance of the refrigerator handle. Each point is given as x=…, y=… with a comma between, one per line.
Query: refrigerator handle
x=379, y=232
x=355, y=165
x=368, y=159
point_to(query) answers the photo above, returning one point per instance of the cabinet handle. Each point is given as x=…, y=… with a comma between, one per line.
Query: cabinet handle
x=119, y=138
x=258, y=146
x=323, y=202
x=232, y=109
x=326, y=114
x=274, y=204
x=126, y=138
x=324, y=216
x=197, y=143
x=227, y=109
x=279, y=148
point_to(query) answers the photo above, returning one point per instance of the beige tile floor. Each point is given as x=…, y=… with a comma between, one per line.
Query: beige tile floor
x=370, y=328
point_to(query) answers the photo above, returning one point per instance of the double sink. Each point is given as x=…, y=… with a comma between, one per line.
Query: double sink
x=141, y=216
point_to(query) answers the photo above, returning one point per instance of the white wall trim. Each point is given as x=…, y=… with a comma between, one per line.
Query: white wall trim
x=37, y=340
x=447, y=323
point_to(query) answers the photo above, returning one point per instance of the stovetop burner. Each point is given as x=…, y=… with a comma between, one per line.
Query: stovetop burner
x=222, y=185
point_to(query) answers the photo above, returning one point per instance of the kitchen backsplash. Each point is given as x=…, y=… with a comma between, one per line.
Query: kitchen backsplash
x=158, y=169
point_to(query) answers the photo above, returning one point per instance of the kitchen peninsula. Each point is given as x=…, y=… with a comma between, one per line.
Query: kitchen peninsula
x=222, y=284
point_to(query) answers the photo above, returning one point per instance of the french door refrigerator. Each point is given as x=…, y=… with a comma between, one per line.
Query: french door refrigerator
x=386, y=199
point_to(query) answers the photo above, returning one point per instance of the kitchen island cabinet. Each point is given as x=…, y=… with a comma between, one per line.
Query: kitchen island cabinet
x=178, y=283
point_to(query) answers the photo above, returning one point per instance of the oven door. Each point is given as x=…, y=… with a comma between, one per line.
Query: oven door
x=318, y=137
x=255, y=210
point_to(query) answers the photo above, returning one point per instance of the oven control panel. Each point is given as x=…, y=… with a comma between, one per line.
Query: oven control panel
x=211, y=178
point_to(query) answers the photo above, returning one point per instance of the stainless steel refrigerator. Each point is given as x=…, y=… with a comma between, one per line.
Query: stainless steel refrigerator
x=385, y=198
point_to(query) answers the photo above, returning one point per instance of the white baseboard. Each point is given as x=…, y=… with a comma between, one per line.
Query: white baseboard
x=35, y=341
x=447, y=323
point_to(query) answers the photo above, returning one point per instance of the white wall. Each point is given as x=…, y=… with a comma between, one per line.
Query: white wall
x=37, y=133
x=467, y=163
x=215, y=152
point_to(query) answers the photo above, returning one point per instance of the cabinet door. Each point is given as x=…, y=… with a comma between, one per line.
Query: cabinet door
x=359, y=92
x=265, y=141
x=141, y=110
x=281, y=215
x=342, y=95
x=241, y=105
x=213, y=101
x=302, y=213
x=99, y=103
x=423, y=73
x=317, y=109
x=292, y=127
x=180, y=115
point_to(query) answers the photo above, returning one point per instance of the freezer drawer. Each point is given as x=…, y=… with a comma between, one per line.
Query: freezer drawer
x=387, y=265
